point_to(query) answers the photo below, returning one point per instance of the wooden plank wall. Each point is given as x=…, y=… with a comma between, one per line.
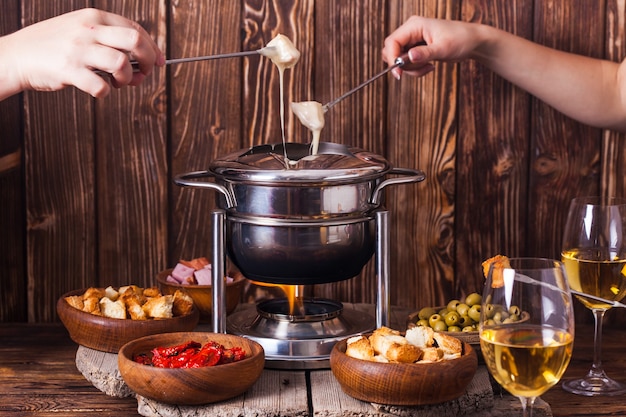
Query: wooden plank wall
x=86, y=190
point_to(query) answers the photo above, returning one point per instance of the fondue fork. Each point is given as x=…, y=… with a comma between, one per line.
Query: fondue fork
x=599, y=299
x=400, y=61
x=524, y=278
x=135, y=64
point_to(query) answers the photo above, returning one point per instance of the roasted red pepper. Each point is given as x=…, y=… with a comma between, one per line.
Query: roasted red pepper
x=233, y=354
x=175, y=350
x=191, y=355
x=209, y=355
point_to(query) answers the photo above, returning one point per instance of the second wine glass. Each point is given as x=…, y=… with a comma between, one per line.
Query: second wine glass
x=594, y=254
x=526, y=326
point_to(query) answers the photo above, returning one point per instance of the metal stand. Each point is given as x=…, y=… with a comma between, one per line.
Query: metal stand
x=382, y=268
x=218, y=271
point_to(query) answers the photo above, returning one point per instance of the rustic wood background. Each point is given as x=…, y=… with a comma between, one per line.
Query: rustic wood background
x=86, y=190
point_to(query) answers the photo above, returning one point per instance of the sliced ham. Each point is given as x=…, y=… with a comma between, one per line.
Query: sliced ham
x=182, y=272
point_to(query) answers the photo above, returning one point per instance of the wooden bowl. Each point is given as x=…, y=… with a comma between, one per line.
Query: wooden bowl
x=109, y=335
x=192, y=386
x=402, y=383
x=202, y=295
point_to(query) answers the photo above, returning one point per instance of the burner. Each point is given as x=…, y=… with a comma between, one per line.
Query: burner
x=298, y=341
x=310, y=309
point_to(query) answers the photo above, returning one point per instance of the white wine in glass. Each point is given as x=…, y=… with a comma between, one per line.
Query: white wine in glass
x=527, y=326
x=594, y=254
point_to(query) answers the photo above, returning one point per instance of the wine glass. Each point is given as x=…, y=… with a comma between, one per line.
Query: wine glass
x=526, y=326
x=594, y=254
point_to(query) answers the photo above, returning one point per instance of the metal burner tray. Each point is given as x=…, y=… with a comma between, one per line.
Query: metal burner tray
x=298, y=344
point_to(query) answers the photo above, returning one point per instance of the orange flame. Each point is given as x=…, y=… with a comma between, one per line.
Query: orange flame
x=292, y=293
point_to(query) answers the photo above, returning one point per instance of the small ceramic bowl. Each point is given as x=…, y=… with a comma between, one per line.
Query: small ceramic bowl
x=406, y=384
x=108, y=334
x=191, y=386
x=202, y=295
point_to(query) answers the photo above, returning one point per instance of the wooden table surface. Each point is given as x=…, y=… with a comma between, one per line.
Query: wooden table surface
x=38, y=376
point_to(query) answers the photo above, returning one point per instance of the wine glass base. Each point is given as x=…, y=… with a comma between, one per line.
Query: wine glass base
x=591, y=386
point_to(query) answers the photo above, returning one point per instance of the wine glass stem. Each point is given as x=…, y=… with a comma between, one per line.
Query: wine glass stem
x=527, y=406
x=596, y=368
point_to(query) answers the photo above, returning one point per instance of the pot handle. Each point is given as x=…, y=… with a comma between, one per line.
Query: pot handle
x=184, y=181
x=412, y=175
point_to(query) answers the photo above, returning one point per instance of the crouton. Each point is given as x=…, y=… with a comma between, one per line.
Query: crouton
x=134, y=309
x=359, y=347
x=499, y=262
x=93, y=292
x=152, y=292
x=182, y=303
x=393, y=346
x=92, y=305
x=432, y=354
x=159, y=307
x=111, y=293
x=450, y=345
x=112, y=309
x=420, y=336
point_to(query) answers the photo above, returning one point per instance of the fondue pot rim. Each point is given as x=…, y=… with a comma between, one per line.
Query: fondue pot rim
x=338, y=220
x=291, y=178
x=334, y=163
x=188, y=179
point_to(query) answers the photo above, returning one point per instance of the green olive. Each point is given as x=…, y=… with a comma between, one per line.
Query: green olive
x=452, y=305
x=513, y=317
x=468, y=329
x=425, y=313
x=474, y=312
x=439, y=326
x=497, y=317
x=490, y=310
x=462, y=309
x=473, y=299
x=464, y=320
x=443, y=312
x=434, y=319
x=454, y=329
x=452, y=318
x=514, y=310
x=423, y=323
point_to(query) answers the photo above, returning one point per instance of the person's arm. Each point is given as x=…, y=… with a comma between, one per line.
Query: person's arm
x=590, y=90
x=63, y=51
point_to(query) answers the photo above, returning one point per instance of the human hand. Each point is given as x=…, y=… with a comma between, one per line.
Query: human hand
x=426, y=40
x=65, y=50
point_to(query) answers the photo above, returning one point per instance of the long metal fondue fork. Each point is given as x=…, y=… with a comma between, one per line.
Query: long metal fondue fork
x=135, y=64
x=599, y=299
x=400, y=61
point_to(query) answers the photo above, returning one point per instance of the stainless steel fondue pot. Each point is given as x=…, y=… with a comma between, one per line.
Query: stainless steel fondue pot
x=310, y=220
